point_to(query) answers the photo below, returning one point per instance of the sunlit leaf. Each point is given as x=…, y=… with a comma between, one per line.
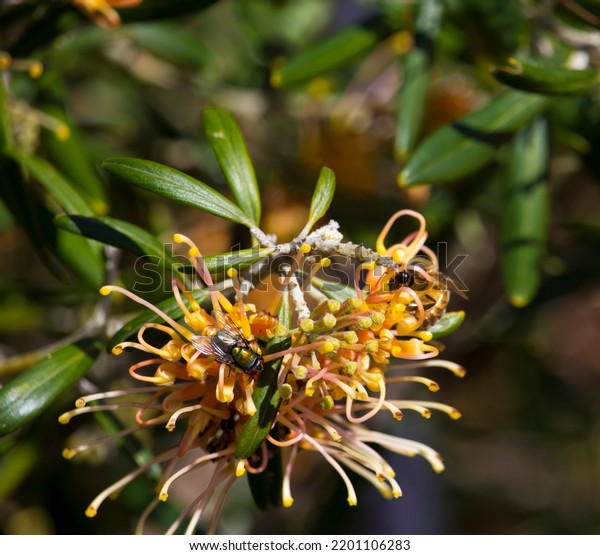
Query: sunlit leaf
x=121, y=234
x=321, y=199
x=33, y=391
x=175, y=185
x=230, y=150
x=464, y=146
x=447, y=324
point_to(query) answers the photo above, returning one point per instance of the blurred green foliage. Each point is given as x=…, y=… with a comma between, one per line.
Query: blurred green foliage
x=483, y=115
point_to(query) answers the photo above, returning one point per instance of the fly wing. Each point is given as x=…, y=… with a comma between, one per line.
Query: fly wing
x=225, y=322
x=210, y=347
x=203, y=344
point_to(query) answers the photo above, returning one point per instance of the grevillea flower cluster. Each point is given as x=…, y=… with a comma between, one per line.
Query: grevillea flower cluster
x=335, y=361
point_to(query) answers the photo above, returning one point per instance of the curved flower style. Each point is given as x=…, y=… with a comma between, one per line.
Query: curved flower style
x=333, y=375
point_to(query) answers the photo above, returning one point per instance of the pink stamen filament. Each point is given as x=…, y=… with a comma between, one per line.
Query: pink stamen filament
x=185, y=332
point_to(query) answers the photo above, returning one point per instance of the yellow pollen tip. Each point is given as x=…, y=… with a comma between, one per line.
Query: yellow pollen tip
x=286, y=391
x=36, y=70
x=352, y=501
x=372, y=346
x=163, y=496
x=329, y=320
x=62, y=132
x=378, y=318
x=305, y=248
x=90, y=512
x=325, y=262
x=433, y=387
x=426, y=414
x=240, y=468
x=105, y=290
x=5, y=60
x=365, y=323
x=194, y=252
x=327, y=403
x=455, y=415
x=327, y=347
x=68, y=453
x=64, y=418
x=307, y=325
x=398, y=415
x=80, y=403
x=178, y=238
x=333, y=306
x=288, y=502
x=351, y=337
x=117, y=350
x=396, y=493
x=232, y=272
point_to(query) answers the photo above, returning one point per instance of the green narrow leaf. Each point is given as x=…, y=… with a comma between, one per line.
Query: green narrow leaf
x=82, y=256
x=55, y=183
x=321, y=199
x=27, y=395
x=464, y=146
x=447, y=324
x=171, y=42
x=416, y=67
x=266, y=396
x=16, y=466
x=121, y=234
x=332, y=53
x=525, y=215
x=70, y=158
x=168, y=306
x=230, y=151
x=544, y=79
x=335, y=291
x=175, y=185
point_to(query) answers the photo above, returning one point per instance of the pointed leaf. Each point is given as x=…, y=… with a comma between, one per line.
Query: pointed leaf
x=466, y=145
x=525, y=215
x=321, y=199
x=334, y=52
x=70, y=158
x=230, y=150
x=27, y=395
x=62, y=190
x=447, y=324
x=121, y=234
x=415, y=77
x=175, y=185
x=546, y=79
x=266, y=396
